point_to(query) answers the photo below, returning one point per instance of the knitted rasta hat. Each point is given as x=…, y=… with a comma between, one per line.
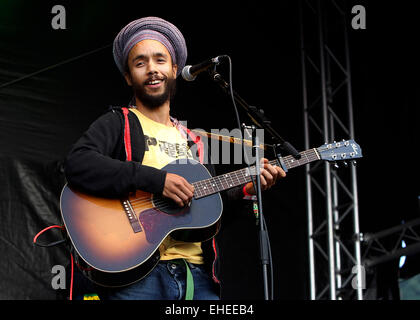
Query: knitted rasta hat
x=151, y=28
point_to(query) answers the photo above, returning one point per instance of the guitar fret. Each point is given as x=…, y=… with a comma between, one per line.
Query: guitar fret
x=220, y=183
x=225, y=183
x=235, y=178
x=231, y=180
x=291, y=162
x=213, y=185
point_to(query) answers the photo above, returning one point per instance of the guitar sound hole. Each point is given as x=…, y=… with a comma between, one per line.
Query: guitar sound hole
x=167, y=205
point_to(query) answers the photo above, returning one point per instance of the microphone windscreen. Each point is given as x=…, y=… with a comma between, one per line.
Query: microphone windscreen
x=186, y=74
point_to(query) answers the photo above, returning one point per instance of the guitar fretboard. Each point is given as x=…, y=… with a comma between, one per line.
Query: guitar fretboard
x=235, y=178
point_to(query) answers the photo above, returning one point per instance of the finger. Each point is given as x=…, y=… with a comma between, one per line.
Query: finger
x=190, y=187
x=177, y=200
x=266, y=174
x=180, y=184
x=184, y=197
x=272, y=171
x=187, y=189
x=263, y=161
x=281, y=172
x=263, y=182
x=268, y=177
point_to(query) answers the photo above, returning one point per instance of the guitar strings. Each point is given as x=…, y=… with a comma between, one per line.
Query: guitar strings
x=203, y=183
x=198, y=185
x=288, y=160
x=238, y=175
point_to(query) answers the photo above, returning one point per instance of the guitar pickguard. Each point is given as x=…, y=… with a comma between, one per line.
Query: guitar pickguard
x=156, y=222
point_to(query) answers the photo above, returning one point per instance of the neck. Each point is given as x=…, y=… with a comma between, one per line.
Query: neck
x=159, y=114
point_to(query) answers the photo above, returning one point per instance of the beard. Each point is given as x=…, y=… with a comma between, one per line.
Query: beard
x=154, y=101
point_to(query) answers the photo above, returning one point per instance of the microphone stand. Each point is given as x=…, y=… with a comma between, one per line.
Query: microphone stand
x=258, y=118
x=264, y=256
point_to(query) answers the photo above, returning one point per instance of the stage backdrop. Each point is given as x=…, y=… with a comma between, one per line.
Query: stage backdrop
x=55, y=82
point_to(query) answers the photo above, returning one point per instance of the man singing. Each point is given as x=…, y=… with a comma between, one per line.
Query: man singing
x=150, y=53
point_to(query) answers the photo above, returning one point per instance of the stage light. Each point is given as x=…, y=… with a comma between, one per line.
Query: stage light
x=402, y=258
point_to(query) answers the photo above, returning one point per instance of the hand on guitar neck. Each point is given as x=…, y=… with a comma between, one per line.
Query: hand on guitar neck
x=178, y=189
x=269, y=177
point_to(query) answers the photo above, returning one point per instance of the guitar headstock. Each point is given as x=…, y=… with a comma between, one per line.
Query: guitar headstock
x=342, y=150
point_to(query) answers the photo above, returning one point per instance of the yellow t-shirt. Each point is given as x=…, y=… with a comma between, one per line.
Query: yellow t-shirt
x=165, y=144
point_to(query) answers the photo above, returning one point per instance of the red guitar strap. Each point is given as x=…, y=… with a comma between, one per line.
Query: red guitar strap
x=127, y=136
x=196, y=139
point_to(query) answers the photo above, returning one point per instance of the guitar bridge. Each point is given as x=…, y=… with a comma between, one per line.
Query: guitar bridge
x=131, y=215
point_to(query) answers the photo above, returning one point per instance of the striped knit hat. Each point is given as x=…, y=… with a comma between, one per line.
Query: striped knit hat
x=151, y=28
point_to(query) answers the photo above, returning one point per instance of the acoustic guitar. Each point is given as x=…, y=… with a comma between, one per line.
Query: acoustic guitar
x=116, y=241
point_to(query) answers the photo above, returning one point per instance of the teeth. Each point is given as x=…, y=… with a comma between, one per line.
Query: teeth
x=154, y=82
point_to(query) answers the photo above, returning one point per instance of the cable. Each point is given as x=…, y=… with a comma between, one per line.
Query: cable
x=53, y=244
x=71, y=277
x=271, y=261
x=252, y=179
x=49, y=244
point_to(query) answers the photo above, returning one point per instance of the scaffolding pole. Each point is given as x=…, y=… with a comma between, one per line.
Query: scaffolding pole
x=331, y=194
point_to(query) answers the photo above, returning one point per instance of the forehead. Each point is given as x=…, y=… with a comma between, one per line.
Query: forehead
x=148, y=48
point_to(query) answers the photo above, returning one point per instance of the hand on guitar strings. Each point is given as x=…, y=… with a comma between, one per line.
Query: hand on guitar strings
x=178, y=189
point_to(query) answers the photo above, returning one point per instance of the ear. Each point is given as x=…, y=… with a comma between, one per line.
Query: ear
x=174, y=70
x=127, y=77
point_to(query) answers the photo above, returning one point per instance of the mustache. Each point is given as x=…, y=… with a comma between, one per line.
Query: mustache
x=155, y=77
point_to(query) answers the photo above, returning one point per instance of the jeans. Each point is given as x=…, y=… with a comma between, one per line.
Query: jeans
x=167, y=281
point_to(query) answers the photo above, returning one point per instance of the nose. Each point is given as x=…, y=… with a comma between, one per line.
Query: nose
x=151, y=68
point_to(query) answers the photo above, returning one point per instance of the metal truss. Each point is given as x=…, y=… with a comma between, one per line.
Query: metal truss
x=385, y=245
x=335, y=269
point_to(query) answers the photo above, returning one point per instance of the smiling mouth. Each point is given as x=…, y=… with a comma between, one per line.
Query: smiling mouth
x=154, y=83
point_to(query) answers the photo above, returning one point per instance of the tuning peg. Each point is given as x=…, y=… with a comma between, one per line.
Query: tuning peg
x=336, y=165
x=354, y=162
x=345, y=164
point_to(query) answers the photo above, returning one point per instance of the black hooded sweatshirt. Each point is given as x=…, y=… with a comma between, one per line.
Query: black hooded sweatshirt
x=97, y=164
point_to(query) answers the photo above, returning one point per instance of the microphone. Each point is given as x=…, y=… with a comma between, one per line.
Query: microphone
x=189, y=73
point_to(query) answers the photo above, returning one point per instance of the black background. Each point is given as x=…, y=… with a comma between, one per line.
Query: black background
x=42, y=115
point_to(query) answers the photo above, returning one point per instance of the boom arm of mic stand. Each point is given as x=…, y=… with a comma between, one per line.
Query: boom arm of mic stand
x=255, y=115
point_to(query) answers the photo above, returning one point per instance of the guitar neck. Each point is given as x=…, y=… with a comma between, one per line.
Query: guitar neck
x=236, y=178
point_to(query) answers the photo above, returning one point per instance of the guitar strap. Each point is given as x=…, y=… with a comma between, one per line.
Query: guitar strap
x=196, y=139
x=189, y=283
x=127, y=136
x=189, y=294
x=228, y=139
x=189, y=290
